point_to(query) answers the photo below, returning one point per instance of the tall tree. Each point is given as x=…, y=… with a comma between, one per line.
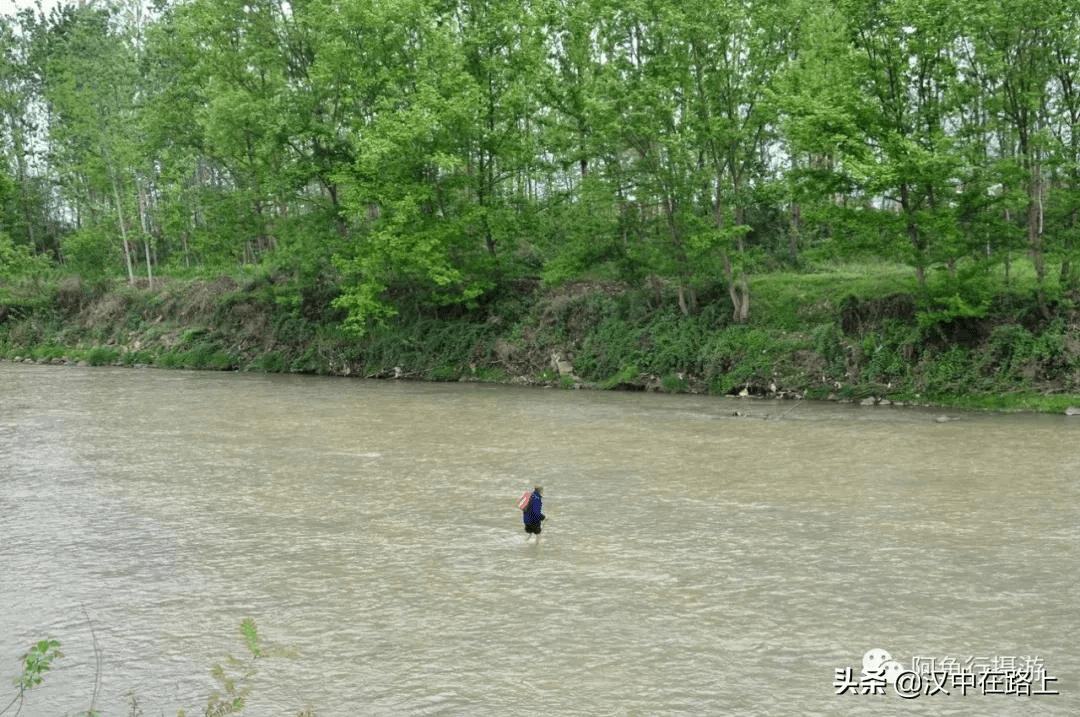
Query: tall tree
x=1016, y=54
x=1064, y=139
x=905, y=68
x=737, y=52
x=89, y=78
x=686, y=128
x=411, y=100
x=22, y=137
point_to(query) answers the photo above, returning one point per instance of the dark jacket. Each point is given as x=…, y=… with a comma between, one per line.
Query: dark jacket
x=532, y=515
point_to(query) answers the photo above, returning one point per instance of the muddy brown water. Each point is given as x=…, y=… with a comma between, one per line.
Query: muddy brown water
x=703, y=555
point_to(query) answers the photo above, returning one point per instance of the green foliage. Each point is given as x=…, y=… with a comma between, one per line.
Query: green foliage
x=202, y=355
x=674, y=341
x=1017, y=359
x=409, y=157
x=250, y=633
x=612, y=345
x=948, y=373
x=674, y=383
x=627, y=374
x=46, y=352
x=92, y=251
x=887, y=355
x=362, y=302
x=102, y=355
x=828, y=342
x=234, y=676
x=293, y=330
x=17, y=260
x=35, y=664
x=143, y=357
x=792, y=301
x=189, y=336
x=269, y=362
x=433, y=348
x=738, y=356
x=948, y=309
x=444, y=373
x=377, y=174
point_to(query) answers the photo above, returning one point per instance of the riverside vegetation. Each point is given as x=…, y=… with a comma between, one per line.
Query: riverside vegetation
x=856, y=333
x=802, y=198
x=232, y=676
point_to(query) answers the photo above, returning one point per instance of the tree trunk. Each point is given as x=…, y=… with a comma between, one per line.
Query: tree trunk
x=680, y=255
x=1069, y=280
x=1035, y=222
x=123, y=229
x=738, y=287
x=911, y=226
x=145, y=223
x=738, y=290
x=794, y=231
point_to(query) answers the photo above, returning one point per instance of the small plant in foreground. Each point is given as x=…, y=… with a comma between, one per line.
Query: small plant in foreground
x=36, y=662
x=233, y=676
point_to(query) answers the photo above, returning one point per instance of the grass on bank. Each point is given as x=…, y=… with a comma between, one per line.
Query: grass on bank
x=793, y=300
x=794, y=342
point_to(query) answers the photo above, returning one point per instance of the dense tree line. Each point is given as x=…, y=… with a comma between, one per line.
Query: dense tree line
x=439, y=148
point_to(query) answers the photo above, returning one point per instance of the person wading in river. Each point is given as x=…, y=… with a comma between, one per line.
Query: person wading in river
x=532, y=515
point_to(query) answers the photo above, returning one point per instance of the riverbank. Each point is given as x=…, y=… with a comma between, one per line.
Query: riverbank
x=811, y=336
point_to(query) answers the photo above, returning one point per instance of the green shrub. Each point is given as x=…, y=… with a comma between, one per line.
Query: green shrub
x=740, y=355
x=626, y=374
x=269, y=362
x=611, y=345
x=490, y=375
x=189, y=336
x=947, y=373
x=102, y=356
x=310, y=361
x=219, y=361
x=47, y=352
x=92, y=251
x=201, y=356
x=828, y=341
x=674, y=383
x=168, y=359
x=885, y=365
x=293, y=330
x=446, y=372
x=135, y=358
x=676, y=342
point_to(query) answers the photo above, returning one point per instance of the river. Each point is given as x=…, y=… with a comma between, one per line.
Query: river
x=702, y=555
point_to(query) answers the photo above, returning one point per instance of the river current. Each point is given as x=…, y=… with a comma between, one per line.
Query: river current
x=702, y=555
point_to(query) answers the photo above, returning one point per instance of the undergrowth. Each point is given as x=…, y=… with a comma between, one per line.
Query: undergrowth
x=833, y=331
